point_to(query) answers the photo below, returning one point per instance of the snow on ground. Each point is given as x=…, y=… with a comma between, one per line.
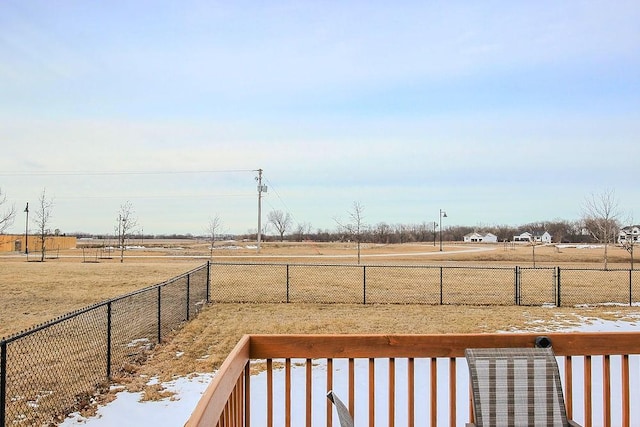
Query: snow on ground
x=127, y=410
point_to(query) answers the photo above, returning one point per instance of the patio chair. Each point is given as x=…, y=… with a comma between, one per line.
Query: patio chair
x=516, y=387
x=343, y=412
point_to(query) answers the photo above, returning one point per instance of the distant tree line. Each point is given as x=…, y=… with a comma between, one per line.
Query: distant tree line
x=385, y=233
x=562, y=231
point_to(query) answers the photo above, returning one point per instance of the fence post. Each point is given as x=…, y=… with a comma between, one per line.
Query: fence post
x=516, y=286
x=364, y=284
x=208, y=280
x=108, y=341
x=3, y=382
x=159, y=314
x=630, y=289
x=188, y=289
x=287, y=283
x=441, y=288
x=558, y=287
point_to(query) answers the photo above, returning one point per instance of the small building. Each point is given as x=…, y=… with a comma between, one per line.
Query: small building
x=523, y=237
x=536, y=236
x=490, y=238
x=476, y=237
x=16, y=243
x=472, y=237
x=629, y=235
x=542, y=237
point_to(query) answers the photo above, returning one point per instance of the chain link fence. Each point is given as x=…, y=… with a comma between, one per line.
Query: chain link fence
x=57, y=367
x=435, y=285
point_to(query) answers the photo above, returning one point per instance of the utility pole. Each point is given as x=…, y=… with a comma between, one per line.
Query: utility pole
x=261, y=188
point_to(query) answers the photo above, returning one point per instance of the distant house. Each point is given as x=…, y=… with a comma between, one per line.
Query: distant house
x=472, y=237
x=476, y=237
x=490, y=238
x=542, y=237
x=629, y=234
x=537, y=236
x=524, y=237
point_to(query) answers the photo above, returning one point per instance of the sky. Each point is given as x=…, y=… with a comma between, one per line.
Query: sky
x=497, y=112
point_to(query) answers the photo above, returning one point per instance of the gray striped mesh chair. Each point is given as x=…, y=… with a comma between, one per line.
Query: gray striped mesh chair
x=343, y=412
x=516, y=387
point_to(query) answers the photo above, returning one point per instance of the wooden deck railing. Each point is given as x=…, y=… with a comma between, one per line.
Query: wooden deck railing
x=408, y=379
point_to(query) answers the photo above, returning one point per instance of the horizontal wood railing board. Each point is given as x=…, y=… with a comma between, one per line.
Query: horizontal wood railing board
x=436, y=345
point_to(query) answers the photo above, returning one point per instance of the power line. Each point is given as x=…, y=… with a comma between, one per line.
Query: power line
x=158, y=196
x=282, y=201
x=110, y=173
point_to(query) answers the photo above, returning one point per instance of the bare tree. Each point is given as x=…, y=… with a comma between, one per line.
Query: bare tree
x=356, y=227
x=280, y=221
x=126, y=224
x=302, y=230
x=213, y=229
x=6, y=218
x=42, y=219
x=600, y=216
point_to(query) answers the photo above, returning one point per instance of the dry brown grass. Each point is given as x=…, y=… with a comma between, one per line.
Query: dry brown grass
x=202, y=345
x=33, y=292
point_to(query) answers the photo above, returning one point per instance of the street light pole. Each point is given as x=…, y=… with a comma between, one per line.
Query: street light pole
x=435, y=224
x=443, y=214
x=26, y=231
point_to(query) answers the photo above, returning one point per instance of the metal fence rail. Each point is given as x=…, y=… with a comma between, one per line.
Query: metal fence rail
x=420, y=284
x=56, y=367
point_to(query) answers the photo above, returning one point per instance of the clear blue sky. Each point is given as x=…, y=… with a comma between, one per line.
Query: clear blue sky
x=499, y=112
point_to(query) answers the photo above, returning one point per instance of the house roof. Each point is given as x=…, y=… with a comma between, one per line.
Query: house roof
x=540, y=233
x=475, y=233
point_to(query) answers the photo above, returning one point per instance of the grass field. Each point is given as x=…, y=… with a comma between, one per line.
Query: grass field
x=34, y=292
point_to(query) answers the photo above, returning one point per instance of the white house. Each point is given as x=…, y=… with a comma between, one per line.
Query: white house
x=629, y=234
x=476, y=237
x=472, y=237
x=524, y=237
x=537, y=236
x=542, y=237
x=490, y=238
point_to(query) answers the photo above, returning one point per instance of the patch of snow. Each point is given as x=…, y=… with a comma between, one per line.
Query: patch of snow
x=128, y=410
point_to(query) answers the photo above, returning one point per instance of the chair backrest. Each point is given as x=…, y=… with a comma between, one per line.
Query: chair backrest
x=516, y=387
x=343, y=412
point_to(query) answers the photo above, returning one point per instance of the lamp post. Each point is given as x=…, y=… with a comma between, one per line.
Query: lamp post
x=443, y=214
x=26, y=231
x=435, y=224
